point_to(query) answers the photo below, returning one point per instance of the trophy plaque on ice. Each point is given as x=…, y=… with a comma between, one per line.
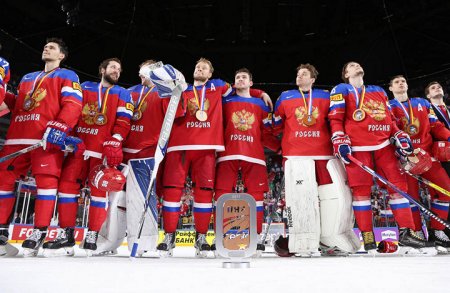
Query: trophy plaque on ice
x=236, y=236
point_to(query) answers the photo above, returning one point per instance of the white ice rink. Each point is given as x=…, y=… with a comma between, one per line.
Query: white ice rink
x=184, y=273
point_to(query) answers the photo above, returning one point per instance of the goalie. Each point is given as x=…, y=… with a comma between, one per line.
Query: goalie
x=318, y=201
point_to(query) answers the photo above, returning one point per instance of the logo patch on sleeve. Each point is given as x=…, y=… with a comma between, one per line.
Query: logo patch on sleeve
x=336, y=98
x=2, y=72
x=76, y=86
x=129, y=106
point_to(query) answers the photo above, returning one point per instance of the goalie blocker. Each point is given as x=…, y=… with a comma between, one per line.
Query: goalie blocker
x=328, y=224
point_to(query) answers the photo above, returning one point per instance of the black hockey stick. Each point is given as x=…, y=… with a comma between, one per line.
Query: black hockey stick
x=159, y=156
x=22, y=151
x=404, y=194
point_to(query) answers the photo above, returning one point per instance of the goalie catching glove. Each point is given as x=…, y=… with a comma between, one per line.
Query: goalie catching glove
x=166, y=79
x=419, y=162
x=107, y=178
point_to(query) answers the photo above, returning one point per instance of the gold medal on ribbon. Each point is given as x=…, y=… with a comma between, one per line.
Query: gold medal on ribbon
x=201, y=115
x=137, y=114
x=100, y=119
x=412, y=129
x=28, y=103
x=359, y=115
x=309, y=120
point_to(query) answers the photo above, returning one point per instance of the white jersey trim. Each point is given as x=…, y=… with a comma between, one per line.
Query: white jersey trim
x=371, y=147
x=22, y=141
x=131, y=151
x=242, y=158
x=310, y=157
x=219, y=148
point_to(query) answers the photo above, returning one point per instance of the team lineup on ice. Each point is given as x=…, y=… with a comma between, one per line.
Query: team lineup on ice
x=133, y=150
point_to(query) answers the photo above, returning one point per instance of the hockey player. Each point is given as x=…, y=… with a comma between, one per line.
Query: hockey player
x=416, y=117
x=139, y=149
x=435, y=94
x=192, y=146
x=47, y=107
x=301, y=115
x=362, y=125
x=247, y=122
x=103, y=125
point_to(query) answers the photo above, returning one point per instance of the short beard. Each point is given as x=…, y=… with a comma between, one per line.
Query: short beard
x=109, y=79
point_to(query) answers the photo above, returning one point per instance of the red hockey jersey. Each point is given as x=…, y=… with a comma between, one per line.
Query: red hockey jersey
x=300, y=137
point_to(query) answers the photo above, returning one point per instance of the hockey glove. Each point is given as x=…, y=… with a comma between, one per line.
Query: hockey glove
x=54, y=135
x=112, y=151
x=403, y=143
x=166, y=78
x=75, y=145
x=342, y=147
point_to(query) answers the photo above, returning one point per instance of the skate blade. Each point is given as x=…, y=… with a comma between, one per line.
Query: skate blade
x=202, y=254
x=105, y=252
x=442, y=250
x=410, y=251
x=29, y=252
x=165, y=254
x=89, y=253
x=8, y=250
x=65, y=251
x=314, y=254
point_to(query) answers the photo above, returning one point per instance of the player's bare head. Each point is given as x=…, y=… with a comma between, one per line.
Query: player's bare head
x=147, y=62
x=243, y=78
x=398, y=84
x=351, y=69
x=110, y=70
x=434, y=90
x=203, y=70
x=306, y=75
x=55, y=49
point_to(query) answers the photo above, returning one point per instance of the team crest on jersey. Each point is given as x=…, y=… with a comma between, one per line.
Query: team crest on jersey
x=89, y=112
x=376, y=110
x=243, y=120
x=301, y=112
x=193, y=107
x=32, y=102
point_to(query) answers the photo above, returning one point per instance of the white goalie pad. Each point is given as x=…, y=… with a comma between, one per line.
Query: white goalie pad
x=113, y=230
x=337, y=217
x=137, y=185
x=302, y=206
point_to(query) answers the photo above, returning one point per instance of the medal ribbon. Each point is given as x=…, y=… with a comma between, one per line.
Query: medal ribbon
x=102, y=100
x=35, y=88
x=141, y=101
x=447, y=122
x=308, y=106
x=363, y=94
x=200, y=104
x=409, y=116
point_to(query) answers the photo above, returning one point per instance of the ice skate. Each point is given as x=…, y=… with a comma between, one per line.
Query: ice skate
x=411, y=243
x=441, y=240
x=32, y=244
x=165, y=248
x=90, y=242
x=6, y=249
x=369, y=242
x=201, y=245
x=62, y=245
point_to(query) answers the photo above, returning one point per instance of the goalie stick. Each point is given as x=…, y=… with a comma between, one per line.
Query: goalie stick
x=404, y=194
x=159, y=156
x=431, y=184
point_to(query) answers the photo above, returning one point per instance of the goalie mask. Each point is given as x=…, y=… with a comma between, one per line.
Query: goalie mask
x=281, y=247
x=107, y=178
x=441, y=151
x=418, y=163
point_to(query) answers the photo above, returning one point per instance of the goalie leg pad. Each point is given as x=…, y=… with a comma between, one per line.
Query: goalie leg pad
x=302, y=205
x=137, y=185
x=336, y=211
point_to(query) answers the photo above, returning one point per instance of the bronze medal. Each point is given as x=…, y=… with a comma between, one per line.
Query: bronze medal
x=412, y=129
x=359, y=115
x=137, y=114
x=201, y=115
x=309, y=120
x=28, y=103
x=100, y=119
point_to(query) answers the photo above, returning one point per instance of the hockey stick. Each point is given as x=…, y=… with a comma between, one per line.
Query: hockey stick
x=404, y=194
x=429, y=183
x=159, y=156
x=22, y=151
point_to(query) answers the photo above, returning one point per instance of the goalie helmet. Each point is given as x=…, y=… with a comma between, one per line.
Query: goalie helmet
x=419, y=162
x=441, y=151
x=107, y=178
x=281, y=247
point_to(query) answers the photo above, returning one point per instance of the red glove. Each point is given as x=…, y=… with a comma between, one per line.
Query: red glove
x=342, y=147
x=112, y=151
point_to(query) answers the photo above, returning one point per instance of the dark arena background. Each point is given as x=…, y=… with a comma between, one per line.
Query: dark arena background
x=270, y=38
